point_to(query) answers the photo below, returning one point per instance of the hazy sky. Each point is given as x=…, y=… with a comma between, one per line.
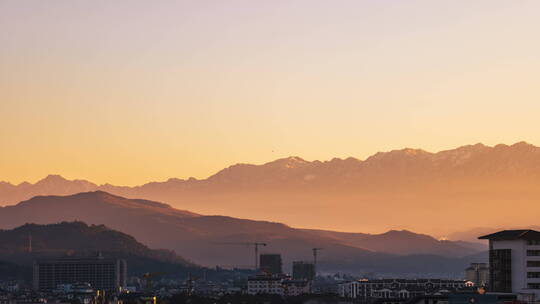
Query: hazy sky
x=132, y=91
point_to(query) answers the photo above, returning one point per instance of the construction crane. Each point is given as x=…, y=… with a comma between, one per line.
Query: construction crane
x=255, y=246
x=315, y=252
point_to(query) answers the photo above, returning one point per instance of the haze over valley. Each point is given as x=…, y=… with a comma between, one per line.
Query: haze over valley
x=433, y=193
x=210, y=240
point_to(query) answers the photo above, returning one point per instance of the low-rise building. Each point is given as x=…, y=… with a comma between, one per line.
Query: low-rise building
x=263, y=284
x=279, y=285
x=293, y=288
x=397, y=288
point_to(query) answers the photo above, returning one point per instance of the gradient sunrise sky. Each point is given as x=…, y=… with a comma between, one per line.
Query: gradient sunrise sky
x=127, y=92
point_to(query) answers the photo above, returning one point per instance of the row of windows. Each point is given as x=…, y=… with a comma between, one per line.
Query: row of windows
x=533, y=275
x=533, y=252
x=533, y=263
x=405, y=285
x=531, y=242
x=533, y=286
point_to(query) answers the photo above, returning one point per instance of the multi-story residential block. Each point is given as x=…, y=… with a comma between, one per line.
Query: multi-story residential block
x=303, y=271
x=514, y=262
x=278, y=285
x=264, y=284
x=101, y=273
x=270, y=263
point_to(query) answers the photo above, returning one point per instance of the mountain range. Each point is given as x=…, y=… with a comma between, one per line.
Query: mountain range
x=221, y=240
x=434, y=193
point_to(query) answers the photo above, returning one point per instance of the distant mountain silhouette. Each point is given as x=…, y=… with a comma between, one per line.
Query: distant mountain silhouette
x=404, y=243
x=472, y=185
x=217, y=240
x=471, y=235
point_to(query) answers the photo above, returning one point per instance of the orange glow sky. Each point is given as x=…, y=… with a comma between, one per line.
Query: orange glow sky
x=127, y=92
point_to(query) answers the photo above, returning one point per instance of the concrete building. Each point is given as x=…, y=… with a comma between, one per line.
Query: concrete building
x=514, y=262
x=293, y=288
x=459, y=298
x=303, y=271
x=478, y=273
x=397, y=288
x=278, y=285
x=263, y=284
x=270, y=264
x=101, y=273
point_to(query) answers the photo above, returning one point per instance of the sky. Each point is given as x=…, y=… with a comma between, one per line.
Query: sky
x=127, y=92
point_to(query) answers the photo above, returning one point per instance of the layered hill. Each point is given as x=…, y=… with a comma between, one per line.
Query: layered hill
x=435, y=193
x=403, y=242
x=220, y=240
x=20, y=246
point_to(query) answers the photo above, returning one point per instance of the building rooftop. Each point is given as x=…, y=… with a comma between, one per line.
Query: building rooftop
x=506, y=235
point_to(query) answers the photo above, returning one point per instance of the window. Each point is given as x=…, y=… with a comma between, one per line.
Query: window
x=533, y=252
x=533, y=275
x=500, y=261
x=533, y=286
x=533, y=242
x=533, y=263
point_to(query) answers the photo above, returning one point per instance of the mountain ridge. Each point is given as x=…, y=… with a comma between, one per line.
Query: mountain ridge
x=522, y=145
x=409, y=188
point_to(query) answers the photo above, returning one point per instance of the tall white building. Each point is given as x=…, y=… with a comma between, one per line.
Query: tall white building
x=514, y=262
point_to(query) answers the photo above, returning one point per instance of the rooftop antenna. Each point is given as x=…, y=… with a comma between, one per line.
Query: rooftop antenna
x=315, y=251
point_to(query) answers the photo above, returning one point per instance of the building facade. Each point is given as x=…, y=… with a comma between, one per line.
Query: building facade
x=265, y=285
x=270, y=264
x=293, y=288
x=397, y=288
x=278, y=285
x=303, y=271
x=514, y=262
x=101, y=273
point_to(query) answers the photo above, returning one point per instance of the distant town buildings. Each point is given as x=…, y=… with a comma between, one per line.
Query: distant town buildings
x=514, y=262
x=397, y=288
x=264, y=284
x=294, y=288
x=101, y=273
x=270, y=264
x=478, y=273
x=278, y=285
x=303, y=271
x=513, y=274
x=272, y=280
